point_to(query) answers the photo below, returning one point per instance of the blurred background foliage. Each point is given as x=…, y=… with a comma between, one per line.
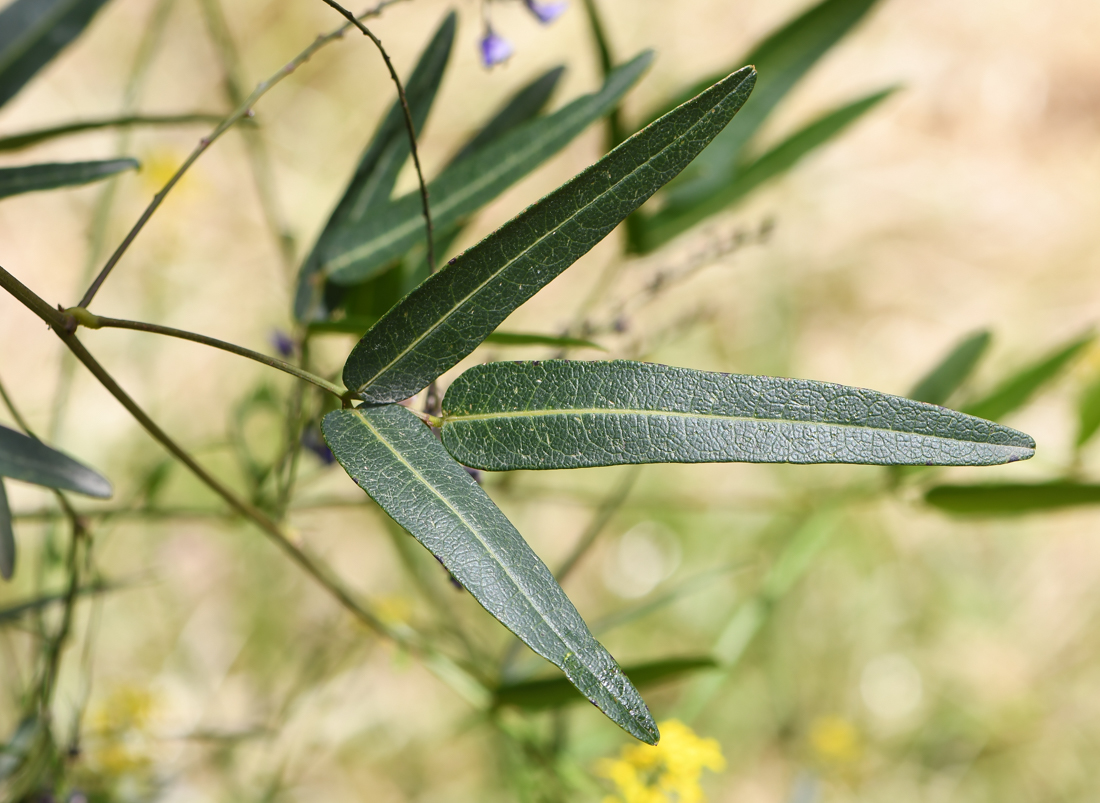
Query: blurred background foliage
x=842, y=633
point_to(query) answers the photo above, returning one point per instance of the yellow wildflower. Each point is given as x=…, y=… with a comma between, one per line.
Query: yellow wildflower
x=667, y=773
x=835, y=741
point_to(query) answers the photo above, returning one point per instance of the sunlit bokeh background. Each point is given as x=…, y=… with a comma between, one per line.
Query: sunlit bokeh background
x=918, y=658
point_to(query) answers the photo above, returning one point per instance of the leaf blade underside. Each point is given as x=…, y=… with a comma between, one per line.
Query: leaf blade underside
x=569, y=414
x=54, y=175
x=395, y=458
x=447, y=316
x=24, y=458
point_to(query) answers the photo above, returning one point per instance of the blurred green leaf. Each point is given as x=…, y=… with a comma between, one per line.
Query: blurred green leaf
x=448, y=315
x=1088, y=413
x=570, y=414
x=781, y=61
x=537, y=695
x=29, y=460
x=15, y=751
x=1018, y=389
x=397, y=460
x=372, y=183
x=7, y=537
x=16, y=142
x=32, y=32
x=676, y=218
x=470, y=184
x=525, y=105
x=947, y=377
x=31, y=178
x=1008, y=499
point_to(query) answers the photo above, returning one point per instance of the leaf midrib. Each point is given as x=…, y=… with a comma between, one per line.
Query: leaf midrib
x=473, y=530
x=553, y=231
x=594, y=411
x=449, y=201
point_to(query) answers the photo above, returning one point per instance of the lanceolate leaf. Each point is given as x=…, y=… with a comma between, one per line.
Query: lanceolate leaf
x=535, y=695
x=32, y=32
x=676, y=218
x=953, y=370
x=470, y=184
x=1008, y=499
x=1088, y=413
x=447, y=316
x=1018, y=389
x=16, y=180
x=373, y=181
x=401, y=465
x=782, y=60
x=7, y=537
x=568, y=414
x=14, y=142
x=525, y=105
x=29, y=460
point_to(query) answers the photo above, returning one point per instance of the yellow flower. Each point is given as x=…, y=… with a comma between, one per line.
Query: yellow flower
x=667, y=773
x=835, y=741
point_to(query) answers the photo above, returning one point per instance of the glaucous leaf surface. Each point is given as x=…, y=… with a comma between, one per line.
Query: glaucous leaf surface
x=32, y=32
x=372, y=183
x=781, y=61
x=447, y=316
x=29, y=460
x=401, y=465
x=675, y=218
x=1008, y=499
x=1015, y=392
x=572, y=414
x=1088, y=413
x=536, y=695
x=7, y=537
x=470, y=184
x=17, y=180
x=947, y=377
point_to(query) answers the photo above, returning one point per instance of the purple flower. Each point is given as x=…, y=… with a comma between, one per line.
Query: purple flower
x=495, y=49
x=315, y=442
x=282, y=342
x=547, y=12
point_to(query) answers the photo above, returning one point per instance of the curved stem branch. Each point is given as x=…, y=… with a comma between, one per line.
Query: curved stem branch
x=352, y=20
x=243, y=111
x=100, y=322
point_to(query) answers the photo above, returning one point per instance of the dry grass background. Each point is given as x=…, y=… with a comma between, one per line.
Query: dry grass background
x=970, y=199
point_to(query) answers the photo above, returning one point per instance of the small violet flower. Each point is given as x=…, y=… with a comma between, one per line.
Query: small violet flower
x=315, y=442
x=282, y=342
x=547, y=12
x=495, y=49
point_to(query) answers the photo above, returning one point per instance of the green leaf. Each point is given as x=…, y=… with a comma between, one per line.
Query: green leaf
x=527, y=104
x=1088, y=413
x=32, y=32
x=470, y=184
x=29, y=460
x=402, y=466
x=360, y=324
x=372, y=183
x=1015, y=392
x=447, y=316
x=537, y=695
x=781, y=61
x=17, y=180
x=7, y=537
x=1007, y=499
x=676, y=218
x=569, y=414
x=16, y=142
x=947, y=377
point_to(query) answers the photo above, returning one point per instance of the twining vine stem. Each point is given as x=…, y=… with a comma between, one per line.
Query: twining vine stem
x=409, y=127
x=87, y=319
x=64, y=326
x=241, y=112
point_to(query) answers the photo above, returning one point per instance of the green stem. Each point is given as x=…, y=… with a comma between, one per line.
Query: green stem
x=243, y=111
x=85, y=318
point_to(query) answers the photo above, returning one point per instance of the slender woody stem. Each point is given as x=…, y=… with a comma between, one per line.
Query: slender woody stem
x=410, y=128
x=85, y=318
x=243, y=111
